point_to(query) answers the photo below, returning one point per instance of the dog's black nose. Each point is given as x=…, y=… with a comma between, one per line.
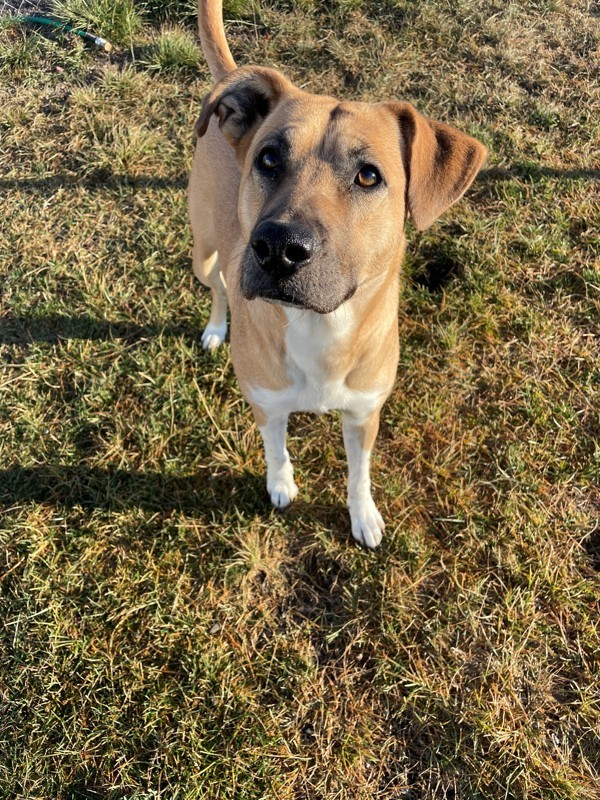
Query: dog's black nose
x=281, y=249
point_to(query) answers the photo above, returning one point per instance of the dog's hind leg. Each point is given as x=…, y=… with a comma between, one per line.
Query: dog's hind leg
x=207, y=270
x=205, y=258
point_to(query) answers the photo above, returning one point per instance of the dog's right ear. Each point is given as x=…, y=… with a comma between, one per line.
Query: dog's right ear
x=242, y=100
x=440, y=163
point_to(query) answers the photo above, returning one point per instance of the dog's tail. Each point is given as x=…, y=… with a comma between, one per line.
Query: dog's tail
x=212, y=36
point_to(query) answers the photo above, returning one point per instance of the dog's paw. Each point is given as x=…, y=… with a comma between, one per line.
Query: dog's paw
x=367, y=523
x=213, y=336
x=283, y=491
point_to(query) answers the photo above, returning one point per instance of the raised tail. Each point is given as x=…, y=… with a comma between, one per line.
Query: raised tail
x=212, y=36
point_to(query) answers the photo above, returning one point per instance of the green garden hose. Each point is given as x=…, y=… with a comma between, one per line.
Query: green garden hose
x=54, y=23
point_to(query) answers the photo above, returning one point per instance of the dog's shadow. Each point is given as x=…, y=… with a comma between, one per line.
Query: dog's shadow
x=113, y=489
x=205, y=494
x=54, y=328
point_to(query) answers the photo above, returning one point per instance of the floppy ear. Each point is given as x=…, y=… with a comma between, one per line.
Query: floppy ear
x=440, y=163
x=242, y=100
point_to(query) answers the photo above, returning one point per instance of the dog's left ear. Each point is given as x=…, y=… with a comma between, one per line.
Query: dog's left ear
x=440, y=163
x=242, y=100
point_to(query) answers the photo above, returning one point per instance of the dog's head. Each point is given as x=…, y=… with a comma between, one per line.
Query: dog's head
x=326, y=186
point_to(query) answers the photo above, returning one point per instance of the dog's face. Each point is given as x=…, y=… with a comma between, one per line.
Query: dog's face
x=326, y=186
x=321, y=194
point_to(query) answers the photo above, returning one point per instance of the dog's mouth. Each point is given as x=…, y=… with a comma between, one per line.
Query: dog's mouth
x=280, y=297
x=285, y=303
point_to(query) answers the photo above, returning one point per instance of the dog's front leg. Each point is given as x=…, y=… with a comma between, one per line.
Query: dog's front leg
x=359, y=437
x=280, y=473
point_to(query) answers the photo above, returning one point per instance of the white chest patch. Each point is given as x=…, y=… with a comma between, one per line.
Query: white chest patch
x=312, y=341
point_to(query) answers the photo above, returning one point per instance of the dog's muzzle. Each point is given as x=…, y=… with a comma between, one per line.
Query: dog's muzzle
x=286, y=263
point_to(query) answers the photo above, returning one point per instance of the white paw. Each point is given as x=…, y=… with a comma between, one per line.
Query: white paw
x=213, y=336
x=283, y=490
x=367, y=523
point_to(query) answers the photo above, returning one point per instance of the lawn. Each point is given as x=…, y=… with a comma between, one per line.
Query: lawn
x=164, y=632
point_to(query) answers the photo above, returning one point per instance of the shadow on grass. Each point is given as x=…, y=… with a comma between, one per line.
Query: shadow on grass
x=98, y=180
x=205, y=494
x=201, y=494
x=531, y=171
x=438, y=268
x=54, y=328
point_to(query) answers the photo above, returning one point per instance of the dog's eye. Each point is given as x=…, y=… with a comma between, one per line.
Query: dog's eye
x=368, y=177
x=269, y=159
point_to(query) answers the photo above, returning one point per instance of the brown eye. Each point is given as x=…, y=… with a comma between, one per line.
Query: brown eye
x=268, y=159
x=368, y=177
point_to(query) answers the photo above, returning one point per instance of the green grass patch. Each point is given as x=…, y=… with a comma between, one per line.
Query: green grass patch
x=175, y=50
x=171, y=10
x=118, y=21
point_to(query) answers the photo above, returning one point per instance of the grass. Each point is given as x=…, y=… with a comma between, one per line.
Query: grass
x=174, y=51
x=165, y=634
x=117, y=20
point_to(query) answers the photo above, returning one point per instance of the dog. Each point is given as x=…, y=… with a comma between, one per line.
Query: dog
x=298, y=204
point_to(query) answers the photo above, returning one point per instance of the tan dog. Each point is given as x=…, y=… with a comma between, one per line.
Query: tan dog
x=298, y=204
